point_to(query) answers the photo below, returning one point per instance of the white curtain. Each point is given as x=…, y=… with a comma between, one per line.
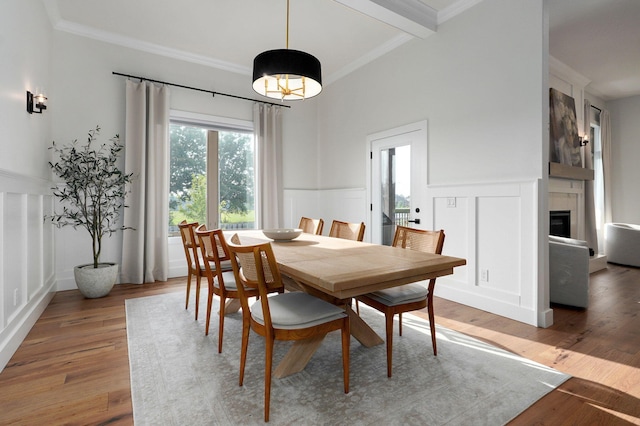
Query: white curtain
x=605, y=138
x=145, y=251
x=267, y=123
x=591, y=231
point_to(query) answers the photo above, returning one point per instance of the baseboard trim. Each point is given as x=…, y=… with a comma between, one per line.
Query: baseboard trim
x=18, y=332
x=597, y=263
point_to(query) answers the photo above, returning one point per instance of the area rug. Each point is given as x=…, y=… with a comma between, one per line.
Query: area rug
x=178, y=377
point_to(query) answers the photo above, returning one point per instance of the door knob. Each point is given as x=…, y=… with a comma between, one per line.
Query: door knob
x=416, y=221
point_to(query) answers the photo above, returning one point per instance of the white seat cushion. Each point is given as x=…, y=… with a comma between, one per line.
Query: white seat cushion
x=229, y=281
x=224, y=265
x=297, y=310
x=402, y=294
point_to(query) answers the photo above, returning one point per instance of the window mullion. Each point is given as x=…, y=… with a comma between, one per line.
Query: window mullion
x=213, y=186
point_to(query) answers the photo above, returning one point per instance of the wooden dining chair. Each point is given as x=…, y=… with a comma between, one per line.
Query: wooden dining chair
x=285, y=316
x=347, y=230
x=408, y=297
x=311, y=226
x=220, y=277
x=194, y=266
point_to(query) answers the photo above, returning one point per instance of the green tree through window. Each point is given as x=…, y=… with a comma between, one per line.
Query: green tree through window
x=188, y=177
x=235, y=159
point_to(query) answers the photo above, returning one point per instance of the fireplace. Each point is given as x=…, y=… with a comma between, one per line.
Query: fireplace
x=560, y=223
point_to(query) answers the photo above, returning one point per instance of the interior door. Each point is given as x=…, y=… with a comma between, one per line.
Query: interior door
x=398, y=180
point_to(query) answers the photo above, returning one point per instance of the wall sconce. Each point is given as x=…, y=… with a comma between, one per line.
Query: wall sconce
x=36, y=102
x=583, y=140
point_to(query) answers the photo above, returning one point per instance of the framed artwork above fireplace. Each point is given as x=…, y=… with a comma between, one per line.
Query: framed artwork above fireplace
x=564, y=142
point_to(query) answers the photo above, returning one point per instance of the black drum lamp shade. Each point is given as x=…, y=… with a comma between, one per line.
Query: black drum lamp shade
x=287, y=74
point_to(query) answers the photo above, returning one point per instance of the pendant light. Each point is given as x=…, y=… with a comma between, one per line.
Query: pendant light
x=287, y=74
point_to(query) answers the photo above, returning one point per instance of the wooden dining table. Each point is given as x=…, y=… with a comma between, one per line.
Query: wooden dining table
x=337, y=270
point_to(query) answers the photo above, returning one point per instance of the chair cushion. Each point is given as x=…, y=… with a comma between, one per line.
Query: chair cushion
x=229, y=281
x=224, y=265
x=401, y=294
x=297, y=310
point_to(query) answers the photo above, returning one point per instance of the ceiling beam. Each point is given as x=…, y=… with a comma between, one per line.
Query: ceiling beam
x=411, y=16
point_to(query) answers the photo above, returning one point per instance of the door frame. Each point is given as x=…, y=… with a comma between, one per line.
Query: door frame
x=419, y=174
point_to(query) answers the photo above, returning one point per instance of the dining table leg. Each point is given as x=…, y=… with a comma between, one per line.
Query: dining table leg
x=361, y=330
x=298, y=356
x=301, y=351
x=231, y=306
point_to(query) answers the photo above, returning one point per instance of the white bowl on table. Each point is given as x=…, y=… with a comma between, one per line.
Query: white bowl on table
x=282, y=234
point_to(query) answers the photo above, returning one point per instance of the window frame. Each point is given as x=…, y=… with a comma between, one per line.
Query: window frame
x=211, y=123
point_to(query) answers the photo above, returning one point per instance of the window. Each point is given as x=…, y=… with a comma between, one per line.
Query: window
x=598, y=179
x=212, y=175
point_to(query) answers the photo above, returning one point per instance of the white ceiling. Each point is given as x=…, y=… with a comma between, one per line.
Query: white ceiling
x=598, y=38
x=601, y=40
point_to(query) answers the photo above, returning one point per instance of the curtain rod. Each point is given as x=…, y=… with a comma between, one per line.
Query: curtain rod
x=595, y=107
x=198, y=90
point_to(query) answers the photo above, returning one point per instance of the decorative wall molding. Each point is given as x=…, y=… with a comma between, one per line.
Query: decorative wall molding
x=515, y=286
x=564, y=71
x=27, y=282
x=501, y=275
x=348, y=205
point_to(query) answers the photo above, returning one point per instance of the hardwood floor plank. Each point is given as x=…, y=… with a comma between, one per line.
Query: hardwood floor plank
x=73, y=367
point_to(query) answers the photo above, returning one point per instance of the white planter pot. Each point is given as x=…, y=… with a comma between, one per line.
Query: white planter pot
x=95, y=282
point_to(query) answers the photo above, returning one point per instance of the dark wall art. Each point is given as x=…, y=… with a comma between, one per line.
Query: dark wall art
x=564, y=141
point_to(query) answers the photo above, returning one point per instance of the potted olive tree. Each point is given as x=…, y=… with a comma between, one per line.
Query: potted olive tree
x=91, y=194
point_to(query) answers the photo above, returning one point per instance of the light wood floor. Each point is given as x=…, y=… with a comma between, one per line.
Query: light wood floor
x=73, y=366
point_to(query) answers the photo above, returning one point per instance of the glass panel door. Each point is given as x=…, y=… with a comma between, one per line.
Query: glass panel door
x=398, y=180
x=395, y=189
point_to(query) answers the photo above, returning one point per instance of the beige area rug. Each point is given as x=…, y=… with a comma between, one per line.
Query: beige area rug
x=178, y=378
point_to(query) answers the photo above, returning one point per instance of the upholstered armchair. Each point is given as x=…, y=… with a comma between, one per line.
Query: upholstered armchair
x=622, y=243
x=568, y=271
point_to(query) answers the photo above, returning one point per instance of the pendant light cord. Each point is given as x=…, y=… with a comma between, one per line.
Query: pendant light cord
x=287, y=41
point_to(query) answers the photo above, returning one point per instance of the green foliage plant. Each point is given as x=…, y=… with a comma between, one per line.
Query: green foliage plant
x=195, y=208
x=93, y=188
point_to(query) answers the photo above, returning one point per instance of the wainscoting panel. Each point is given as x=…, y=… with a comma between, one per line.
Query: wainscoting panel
x=27, y=280
x=493, y=226
x=453, y=214
x=298, y=203
x=348, y=205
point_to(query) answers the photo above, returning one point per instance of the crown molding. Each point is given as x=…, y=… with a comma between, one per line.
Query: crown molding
x=455, y=9
x=414, y=18
x=563, y=70
x=411, y=16
x=369, y=57
x=112, y=38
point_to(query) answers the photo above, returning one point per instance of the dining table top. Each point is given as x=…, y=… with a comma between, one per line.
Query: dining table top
x=345, y=268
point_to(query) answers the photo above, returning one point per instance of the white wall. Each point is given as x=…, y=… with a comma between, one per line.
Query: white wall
x=477, y=81
x=25, y=49
x=481, y=83
x=625, y=153
x=88, y=94
x=26, y=256
x=348, y=205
